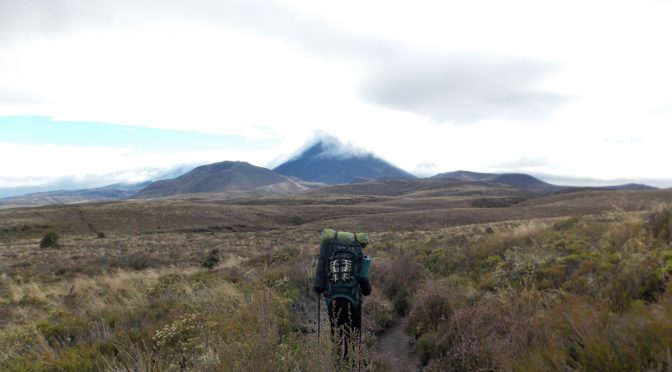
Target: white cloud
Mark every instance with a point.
(265, 68)
(36, 165)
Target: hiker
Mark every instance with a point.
(342, 278)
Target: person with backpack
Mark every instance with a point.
(342, 279)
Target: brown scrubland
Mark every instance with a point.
(478, 278)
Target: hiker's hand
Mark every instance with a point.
(365, 285)
(318, 290)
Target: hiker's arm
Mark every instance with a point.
(364, 285)
(320, 273)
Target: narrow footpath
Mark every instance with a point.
(394, 345)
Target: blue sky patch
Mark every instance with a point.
(39, 130)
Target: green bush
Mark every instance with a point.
(660, 224)
(183, 339)
(50, 240)
(212, 260)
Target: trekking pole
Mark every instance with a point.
(319, 315)
(360, 351)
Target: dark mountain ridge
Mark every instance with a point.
(325, 162)
(329, 162)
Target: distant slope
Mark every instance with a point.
(462, 175)
(424, 188)
(530, 183)
(632, 186)
(519, 180)
(233, 177)
(107, 193)
(373, 188)
(330, 162)
(309, 212)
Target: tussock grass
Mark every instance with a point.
(582, 293)
(570, 293)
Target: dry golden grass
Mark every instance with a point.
(423, 209)
(514, 286)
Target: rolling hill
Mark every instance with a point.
(529, 183)
(519, 180)
(234, 178)
(326, 162)
(108, 193)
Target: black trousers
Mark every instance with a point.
(346, 325)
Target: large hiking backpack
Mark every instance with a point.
(343, 266)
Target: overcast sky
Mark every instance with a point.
(102, 91)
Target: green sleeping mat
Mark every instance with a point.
(344, 236)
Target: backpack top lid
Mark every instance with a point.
(344, 237)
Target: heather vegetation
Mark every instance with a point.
(50, 240)
(242, 313)
(582, 293)
(573, 293)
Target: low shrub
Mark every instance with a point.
(141, 261)
(398, 277)
(377, 313)
(50, 240)
(184, 339)
(212, 260)
(659, 223)
(432, 305)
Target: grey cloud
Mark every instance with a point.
(465, 89)
(269, 18)
(459, 88)
(447, 88)
(56, 16)
(19, 18)
(13, 186)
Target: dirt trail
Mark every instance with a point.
(394, 345)
(80, 214)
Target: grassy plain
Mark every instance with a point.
(479, 278)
